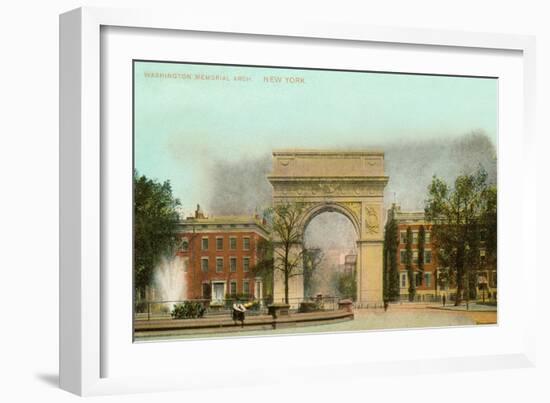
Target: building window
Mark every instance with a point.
(418, 279)
(403, 236)
(246, 264)
(415, 257)
(428, 279)
(233, 243)
(204, 264)
(427, 256)
(219, 264)
(219, 243)
(403, 256)
(246, 243)
(233, 288)
(185, 245)
(233, 264)
(415, 237)
(204, 244)
(246, 287)
(428, 236)
(403, 280)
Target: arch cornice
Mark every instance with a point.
(307, 187)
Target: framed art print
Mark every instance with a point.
(281, 191)
(294, 202)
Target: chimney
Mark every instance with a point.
(198, 212)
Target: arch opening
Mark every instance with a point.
(330, 255)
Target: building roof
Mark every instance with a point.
(224, 223)
(411, 217)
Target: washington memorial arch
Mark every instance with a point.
(349, 182)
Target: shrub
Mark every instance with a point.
(188, 310)
(141, 307)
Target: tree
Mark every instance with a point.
(460, 214)
(409, 265)
(312, 259)
(287, 239)
(155, 220)
(488, 234)
(264, 265)
(421, 247)
(391, 271)
(346, 284)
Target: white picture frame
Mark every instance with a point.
(82, 184)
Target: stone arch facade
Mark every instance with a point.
(349, 182)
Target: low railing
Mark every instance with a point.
(157, 310)
(321, 303)
(450, 297)
(151, 310)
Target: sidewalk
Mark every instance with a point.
(472, 307)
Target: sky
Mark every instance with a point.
(205, 127)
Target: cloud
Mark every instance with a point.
(411, 165)
(241, 187)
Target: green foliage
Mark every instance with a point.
(264, 264)
(312, 260)
(489, 226)
(472, 285)
(409, 265)
(391, 265)
(140, 307)
(421, 248)
(188, 310)
(155, 220)
(346, 285)
(461, 217)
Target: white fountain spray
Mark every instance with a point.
(170, 280)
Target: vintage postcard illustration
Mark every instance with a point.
(271, 200)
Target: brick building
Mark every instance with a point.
(427, 288)
(430, 287)
(220, 253)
